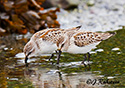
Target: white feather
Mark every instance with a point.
(46, 47)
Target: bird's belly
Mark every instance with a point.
(81, 50)
(47, 48)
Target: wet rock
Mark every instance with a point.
(65, 4)
(90, 2)
(99, 50)
(115, 49)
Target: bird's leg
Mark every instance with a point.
(89, 56)
(58, 53)
(51, 56)
(85, 57)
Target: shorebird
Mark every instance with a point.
(68, 40)
(47, 41)
(83, 42)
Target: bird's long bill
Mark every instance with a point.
(26, 58)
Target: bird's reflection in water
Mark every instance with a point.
(54, 78)
(46, 79)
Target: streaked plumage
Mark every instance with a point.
(83, 42)
(47, 41)
(68, 40)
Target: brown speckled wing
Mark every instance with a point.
(54, 36)
(84, 38)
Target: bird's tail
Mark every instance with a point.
(107, 35)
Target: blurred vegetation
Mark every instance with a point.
(21, 16)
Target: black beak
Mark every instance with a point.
(26, 58)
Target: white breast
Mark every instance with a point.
(46, 47)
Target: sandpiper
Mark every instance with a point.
(83, 42)
(48, 40)
(68, 40)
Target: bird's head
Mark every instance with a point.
(28, 50)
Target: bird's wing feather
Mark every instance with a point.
(85, 38)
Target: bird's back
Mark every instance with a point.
(53, 35)
(83, 42)
(85, 38)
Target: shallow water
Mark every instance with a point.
(107, 62)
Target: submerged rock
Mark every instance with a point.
(65, 4)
